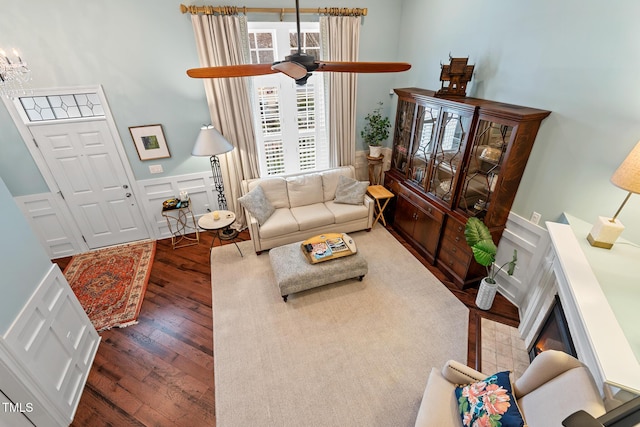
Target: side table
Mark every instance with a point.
(209, 223)
(182, 224)
(375, 177)
(379, 193)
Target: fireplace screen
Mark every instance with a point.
(554, 334)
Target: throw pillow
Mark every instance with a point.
(256, 202)
(489, 403)
(350, 191)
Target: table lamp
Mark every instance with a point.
(606, 231)
(211, 143)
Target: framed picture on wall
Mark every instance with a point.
(150, 142)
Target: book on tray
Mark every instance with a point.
(321, 250)
(337, 244)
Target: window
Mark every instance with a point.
(61, 107)
(289, 119)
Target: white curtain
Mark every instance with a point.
(341, 39)
(219, 40)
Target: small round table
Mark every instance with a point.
(208, 223)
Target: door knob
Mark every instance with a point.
(125, 186)
(128, 194)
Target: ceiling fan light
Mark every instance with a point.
(291, 69)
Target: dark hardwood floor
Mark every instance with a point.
(160, 371)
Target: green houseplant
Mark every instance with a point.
(484, 252)
(376, 130)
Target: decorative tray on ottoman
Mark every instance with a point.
(328, 246)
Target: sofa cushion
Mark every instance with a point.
(489, 402)
(350, 191)
(257, 204)
(312, 216)
(330, 181)
(275, 189)
(304, 190)
(281, 222)
(345, 213)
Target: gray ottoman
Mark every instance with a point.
(295, 274)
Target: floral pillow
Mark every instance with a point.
(489, 403)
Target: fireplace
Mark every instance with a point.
(554, 334)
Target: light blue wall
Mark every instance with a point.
(578, 59)
(23, 260)
(139, 51)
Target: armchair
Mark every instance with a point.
(552, 388)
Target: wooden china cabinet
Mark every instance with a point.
(454, 158)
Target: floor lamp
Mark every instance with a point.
(211, 143)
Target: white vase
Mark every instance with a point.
(486, 294)
(375, 150)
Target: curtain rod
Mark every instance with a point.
(232, 10)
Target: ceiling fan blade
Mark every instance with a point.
(243, 70)
(363, 67)
(291, 69)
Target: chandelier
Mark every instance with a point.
(14, 73)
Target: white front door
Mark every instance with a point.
(85, 164)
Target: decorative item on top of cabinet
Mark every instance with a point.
(457, 74)
(461, 157)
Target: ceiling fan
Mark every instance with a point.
(298, 66)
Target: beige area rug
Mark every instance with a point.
(349, 354)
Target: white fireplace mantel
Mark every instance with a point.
(600, 293)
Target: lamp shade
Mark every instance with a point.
(627, 176)
(210, 142)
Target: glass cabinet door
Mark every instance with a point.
(402, 135)
(423, 143)
(486, 156)
(447, 154)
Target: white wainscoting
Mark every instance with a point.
(60, 237)
(47, 217)
(48, 220)
(530, 240)
(599, 340)
(49, 349)
(154, 191)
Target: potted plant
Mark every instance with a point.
(484, 252)
(376, 130)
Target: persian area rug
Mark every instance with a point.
(348, 354)
(110, 283)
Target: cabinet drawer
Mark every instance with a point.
(454, 257)
(427, 208)
(454, 231)
(391, 184)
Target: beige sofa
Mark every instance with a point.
(552, 388)
(305, 206)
